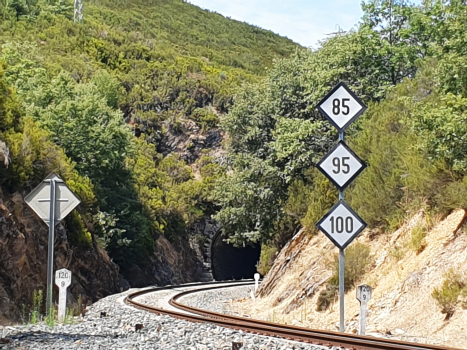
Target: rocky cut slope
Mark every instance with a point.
(23, 262)
(403, 281)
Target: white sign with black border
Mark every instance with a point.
(341, 224)
(341, 165)
(341, 106)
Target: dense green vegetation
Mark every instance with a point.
(73, 96)
(277, 135)
(408, 64)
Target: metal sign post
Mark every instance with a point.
(50, 250)
(341, 224)
(52, 201)
(363, 295)
(62, 280)
(78, 14)
(341, 261)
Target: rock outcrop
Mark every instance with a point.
(171, 263)
(190, 141)
(23, 262)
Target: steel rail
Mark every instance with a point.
(317, 337)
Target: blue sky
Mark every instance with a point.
(303, 21)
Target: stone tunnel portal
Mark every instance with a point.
(230, 263)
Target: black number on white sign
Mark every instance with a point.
(338, 163)
(337, 104)
(338, 224)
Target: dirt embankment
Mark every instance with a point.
(402, 282)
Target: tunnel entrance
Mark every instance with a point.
(230, 263)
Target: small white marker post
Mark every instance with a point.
(363, 295)
(62, 280)
(256, 276)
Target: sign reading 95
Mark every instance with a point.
(341, 165)
(341, 224)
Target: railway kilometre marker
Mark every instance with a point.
(363, 295)
(62, 280)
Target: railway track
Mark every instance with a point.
(317, 337)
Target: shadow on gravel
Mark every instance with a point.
(44, 337)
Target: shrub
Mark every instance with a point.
(37, 300)
(398, 171)
(453, 196)
(397, 253)
(448, 294)
(200, 239)
(266, 259)
(205, 118)
(327, 297)
(417, 239)
(357, 258)
(79, 235)
(322, 196)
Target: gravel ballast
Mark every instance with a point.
(124, 327)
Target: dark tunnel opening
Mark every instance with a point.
(230, 263)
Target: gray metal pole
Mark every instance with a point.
(341, 268)
(341, 290)
(50, 257)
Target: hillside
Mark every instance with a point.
(125, 107)
(168, 68)
(165, 122)
(403, 280)
(407, 64)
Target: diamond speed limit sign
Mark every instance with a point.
(341, 107)
(341, 225)
(341, 165)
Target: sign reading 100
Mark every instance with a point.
(339, 224)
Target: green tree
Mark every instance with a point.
(274, 124)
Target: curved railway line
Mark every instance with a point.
(314, 336)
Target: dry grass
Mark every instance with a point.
(403, 282)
